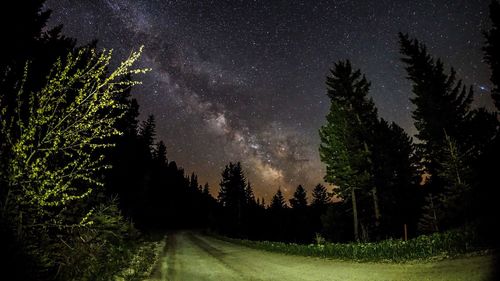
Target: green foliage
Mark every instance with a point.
(55, 147)
(423, 247)
(58, 148)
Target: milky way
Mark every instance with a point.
(244, 80)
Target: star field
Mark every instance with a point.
(244, 80)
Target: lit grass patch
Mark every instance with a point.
(445, 244)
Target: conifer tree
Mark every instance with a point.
(160, 153)
(278, 201)
(345, 138)
(232, 196)
(320, 196)
(491, 51)
(442, 103)
(249, 196)
(396, 175)
(147, 132)
(299, 200)
(206, 190)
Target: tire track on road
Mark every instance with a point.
(217, 254)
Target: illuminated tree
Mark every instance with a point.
(56, 152)
(345, 137)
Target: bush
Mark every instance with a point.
(423, 247)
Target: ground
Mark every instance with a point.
(192, 256)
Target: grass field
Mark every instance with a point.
(191, 256)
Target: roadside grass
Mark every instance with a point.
(145, 257)
(425, 247)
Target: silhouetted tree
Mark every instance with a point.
(232, 196)
(442, 103)
(299, 200)
(278, 201)
(397, 178)
(160, 153)
(442, 112)
(320, 196)
(491, 51)
(147, 132)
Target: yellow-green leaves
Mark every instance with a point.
(57, 148)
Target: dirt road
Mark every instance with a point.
(193, 257)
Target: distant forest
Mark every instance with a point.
(79, 173)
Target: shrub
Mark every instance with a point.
(423, 247)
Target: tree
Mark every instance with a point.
(491, 53)
(193, 182)
(206, 190)
(346, 136)
(232, 196)
(147, 132)
(397, 178)
(56, 150)
(320, 196)
(249, 196)
(457, 195)
(442, 104)
(278, 201)
(299, 200)
(442, 115)
(160, 153)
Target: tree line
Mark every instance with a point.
(81, 177)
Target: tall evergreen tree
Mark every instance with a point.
(206, 190)
(491, 51)
(299, 200)
(232, 196)
(320, 196)
(345, 139)
(278, 201)
(147, 132)
(443, 113)
(397, 178)
(249, 196)
(442, 103)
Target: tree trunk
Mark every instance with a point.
(355, 214)
(375, 206)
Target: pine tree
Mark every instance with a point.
(320, 196)
(206, 190)
(346, 138)
(193, 182)
(160, 153)
(232, 196)
(491, 51)
(442, 103)
(147, 132)
(397, 178)
(457, 195)
(249, 196)
(442, 111)
(299, 200)
(429, 221)
(278, 201)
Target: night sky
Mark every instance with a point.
(244, 80)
